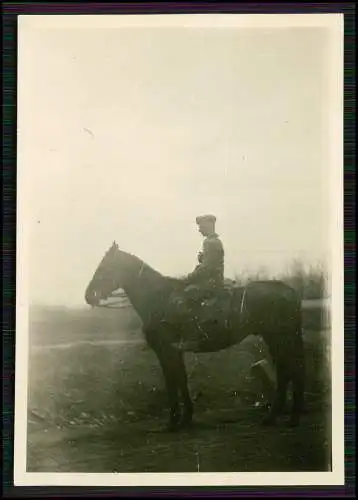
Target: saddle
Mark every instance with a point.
(207, 310)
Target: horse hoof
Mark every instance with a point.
(294, 422)
(268, 421)
(172, 427)
(186, 423)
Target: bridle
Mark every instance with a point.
(119, 303)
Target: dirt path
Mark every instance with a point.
(219, 441)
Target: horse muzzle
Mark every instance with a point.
(92, 298)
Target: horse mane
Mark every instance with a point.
(143, 266)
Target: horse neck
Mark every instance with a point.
(143, 286)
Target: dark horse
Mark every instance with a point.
(270, 309)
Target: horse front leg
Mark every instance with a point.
(182, 379)
(172, 389)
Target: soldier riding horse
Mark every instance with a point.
(204, 286)
(209, 318)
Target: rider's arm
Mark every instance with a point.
(210, 255)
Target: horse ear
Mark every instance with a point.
(115, 244)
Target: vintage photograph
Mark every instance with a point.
(180, 250)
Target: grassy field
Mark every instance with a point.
(96, 403)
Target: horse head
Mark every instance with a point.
(108, 277)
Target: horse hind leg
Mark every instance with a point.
(280, 395)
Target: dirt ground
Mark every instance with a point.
(220, 441)
(97, 404)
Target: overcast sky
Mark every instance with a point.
(128, 134)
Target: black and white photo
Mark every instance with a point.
(180, 250)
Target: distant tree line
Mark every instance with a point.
(311, 282)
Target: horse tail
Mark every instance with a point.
(298, 366)
(299, 330)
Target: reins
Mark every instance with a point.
(119, 303)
